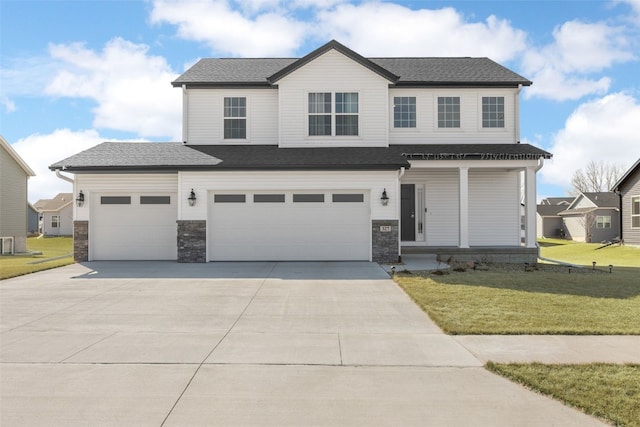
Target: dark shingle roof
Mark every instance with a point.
(135, 156)
(409, 71)
(604, 199)
(118, 156)
(549, 210)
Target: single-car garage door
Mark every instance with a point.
(133, 227)
(290, 226)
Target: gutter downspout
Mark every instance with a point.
(65, 178)
(517, 106)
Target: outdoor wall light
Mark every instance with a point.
(80, 199)
(384, 199)
(192, 198)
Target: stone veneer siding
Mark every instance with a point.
(192, 241)
(81, 241)
(385, 244)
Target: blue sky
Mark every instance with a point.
(76, 73)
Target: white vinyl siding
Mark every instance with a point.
(205, 114)
(470, 130)
(333, 72)
(441, 219)
(494, 209)
(271, 182)
(123, 184)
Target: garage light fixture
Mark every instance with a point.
(192, 198)
(80, 199)
(384, 199)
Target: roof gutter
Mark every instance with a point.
(64, 178)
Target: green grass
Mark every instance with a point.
(550, 300)
(56, 252)
(538, 302)
(585, 253)
(611, 392)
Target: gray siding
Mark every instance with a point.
(13, 200)
(629, 190)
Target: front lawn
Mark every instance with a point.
(585, 253)
(550, 300)
(611, 392)
(56, 252)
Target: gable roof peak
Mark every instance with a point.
(339, 47)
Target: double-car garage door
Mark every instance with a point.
(242, 226)
(289, 225)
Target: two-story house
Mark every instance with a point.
(332, 156)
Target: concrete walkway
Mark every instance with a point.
(150, 343)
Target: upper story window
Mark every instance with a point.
(404, 111)
(235, 118)
(324, 120)
(493, 111)
(320, 113)
(635, 212)
(448, 111)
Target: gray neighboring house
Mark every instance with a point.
(57, 216)
(33, 221)
(592, 217)
(14, 176)
(628, 189)
(548, 222)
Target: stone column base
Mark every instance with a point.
(81, 241)
(192, 241)
(385, 235)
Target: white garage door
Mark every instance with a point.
(290, 226)
(133, 227)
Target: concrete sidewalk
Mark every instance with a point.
(562, 349)
(147, 343)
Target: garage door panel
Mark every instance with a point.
(289, 231)
(134, 231)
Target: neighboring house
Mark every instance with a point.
(331, 156)
(560, 201)
(548, 222)
(14, 176)
(628, 189)
(33, 220)
(57, 216)
(592, 217)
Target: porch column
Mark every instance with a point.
(464, 207)
(530, 206)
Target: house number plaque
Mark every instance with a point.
(385, 228)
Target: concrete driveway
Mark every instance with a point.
(160, 343)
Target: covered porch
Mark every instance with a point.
(479, 209)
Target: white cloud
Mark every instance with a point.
(228, 31)
(389, 29)
(40, 151)
(9, 105)
(563, 69)
(605, 129)
(132, 89)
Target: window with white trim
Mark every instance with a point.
(404, 111)
(603, 221)
(448, 111)
(635, 212)
(235, 118)
(493, 111)
(55, 221)
(325, 120)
